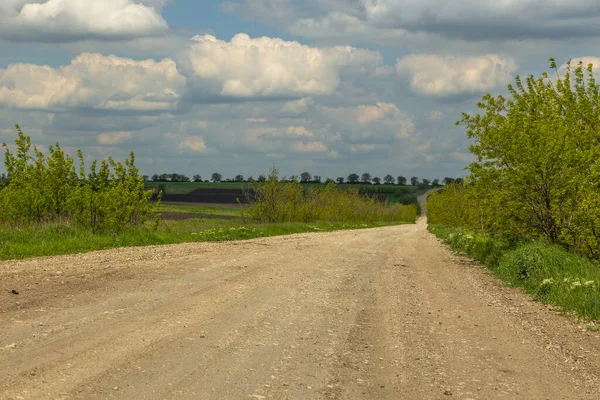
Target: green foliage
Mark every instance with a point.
(549, 272)
(50, 189)
(278, 201)
(538, 164)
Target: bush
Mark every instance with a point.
(277, 201)
(48, 188)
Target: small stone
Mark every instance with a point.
(448, 392)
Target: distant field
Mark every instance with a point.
(187, 187)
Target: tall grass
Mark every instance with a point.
(549, 272)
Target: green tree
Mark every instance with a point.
(353, 178)
(414, 181)
(388, 179)
(537, 172)
(216, 177)
(401, 180)
(339, 179)
(365, 178)
(305, 177)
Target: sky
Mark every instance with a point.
(331, 87)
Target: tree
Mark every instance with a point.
(329, 180)
(339, 179)
(425, 182)
(414, 181)
(251, 179)
(401, 180)
(435, 182)
(239, 178)
(352, 178)
(447, 180)
(261, 178)
(305, 177)
(317, 179)
(216, 177)
(366, 178)
(388, 179)
(538, 158)
(155, 178)
(197, 178)
(377, 180)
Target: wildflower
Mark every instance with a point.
(575, 285)
(589, 283)
(547, 282)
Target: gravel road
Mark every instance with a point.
(386, 313)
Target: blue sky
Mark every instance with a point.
(332, 87)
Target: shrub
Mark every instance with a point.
(277, 201)
(48, 188)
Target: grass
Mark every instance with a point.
(549, 272)
(197, 209)
(57, 239)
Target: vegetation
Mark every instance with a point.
(280, 201)
(538, 164)
(50, 188)
(530, 207)
(62, 238)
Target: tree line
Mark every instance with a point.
(306, 177)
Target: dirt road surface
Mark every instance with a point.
(386, 313)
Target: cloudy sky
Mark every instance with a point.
(326, 86)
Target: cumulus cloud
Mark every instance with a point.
(312, 147)
(438, 76)
(297, 107)
(194, 143)
(370, 124)
(93, 81)
(246, 68)
(75, 20)
(114, 137)
(470, 20)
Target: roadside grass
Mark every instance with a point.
(58, 239)
(550, 273)
(200, 209)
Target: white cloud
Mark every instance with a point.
(114, 137)
(93, 81)
(194, 143)
(297, 107)
(433, 75)
(74, 20)
(367, 113)
(365, 123)
(271, 67)
(310, 147)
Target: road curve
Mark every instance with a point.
(386, 313)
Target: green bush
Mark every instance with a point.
(49, 189)
(277, 201)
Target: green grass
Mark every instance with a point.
(197, 209)
(57, 239)
(550, 273)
